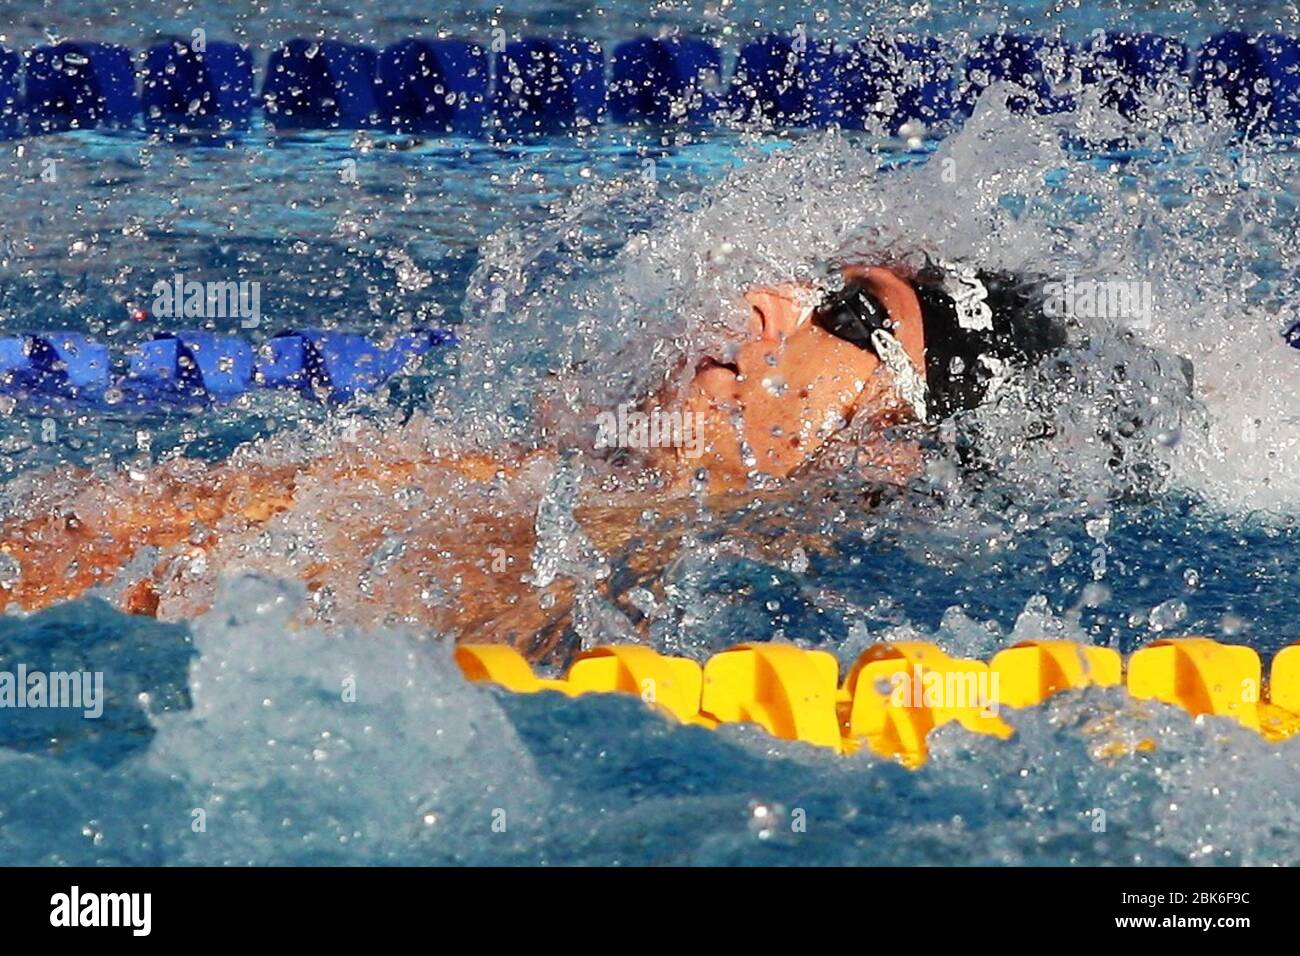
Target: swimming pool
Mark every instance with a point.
(1116, 507)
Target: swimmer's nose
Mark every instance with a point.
(774, 313)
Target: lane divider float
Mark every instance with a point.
(896, 693)
(196, 365)
(544, 85)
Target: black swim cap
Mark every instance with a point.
(972, 316)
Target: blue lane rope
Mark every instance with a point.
(189, 366)
(558, 84)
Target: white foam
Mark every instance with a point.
(343, 747)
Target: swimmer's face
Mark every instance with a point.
(791, 386)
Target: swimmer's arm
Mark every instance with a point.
(65, 546)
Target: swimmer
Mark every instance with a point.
(383, 531)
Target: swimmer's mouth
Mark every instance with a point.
(709, 362)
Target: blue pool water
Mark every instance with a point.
(233, 716)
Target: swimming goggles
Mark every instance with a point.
(858, 317)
